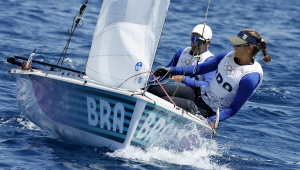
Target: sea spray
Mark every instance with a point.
(181, 146)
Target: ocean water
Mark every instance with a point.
(264, 134)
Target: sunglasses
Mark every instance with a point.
(247, 45)
(195, 38)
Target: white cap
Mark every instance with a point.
(207, 34)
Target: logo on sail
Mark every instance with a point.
(138, 66)
(140, 80)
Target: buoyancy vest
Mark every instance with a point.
(221, 90)
(186, 57)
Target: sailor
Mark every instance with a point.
(200, 41)
(238, 76)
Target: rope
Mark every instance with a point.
(157, 82)
(185, 71)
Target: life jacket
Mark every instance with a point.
(221, 90)
(186, 57)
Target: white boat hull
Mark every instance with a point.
(78, 110)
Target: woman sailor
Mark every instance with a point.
(238, 76)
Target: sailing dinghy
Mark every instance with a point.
(107, 106)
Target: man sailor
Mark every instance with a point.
(201, 37)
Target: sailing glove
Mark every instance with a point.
(162, 71)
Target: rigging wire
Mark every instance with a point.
(84, 67)
(72, 30)
(47, 25)
(195, 68)
(231, 22)
(197, 49)
(33, 53)
(172, 42)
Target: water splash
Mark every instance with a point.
(183, 146)
(27, 124)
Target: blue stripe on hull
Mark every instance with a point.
(66, 103)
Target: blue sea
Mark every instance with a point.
(264, 134)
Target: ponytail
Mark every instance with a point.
(264, 50)
(257, 48)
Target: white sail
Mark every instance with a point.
(125, 41)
